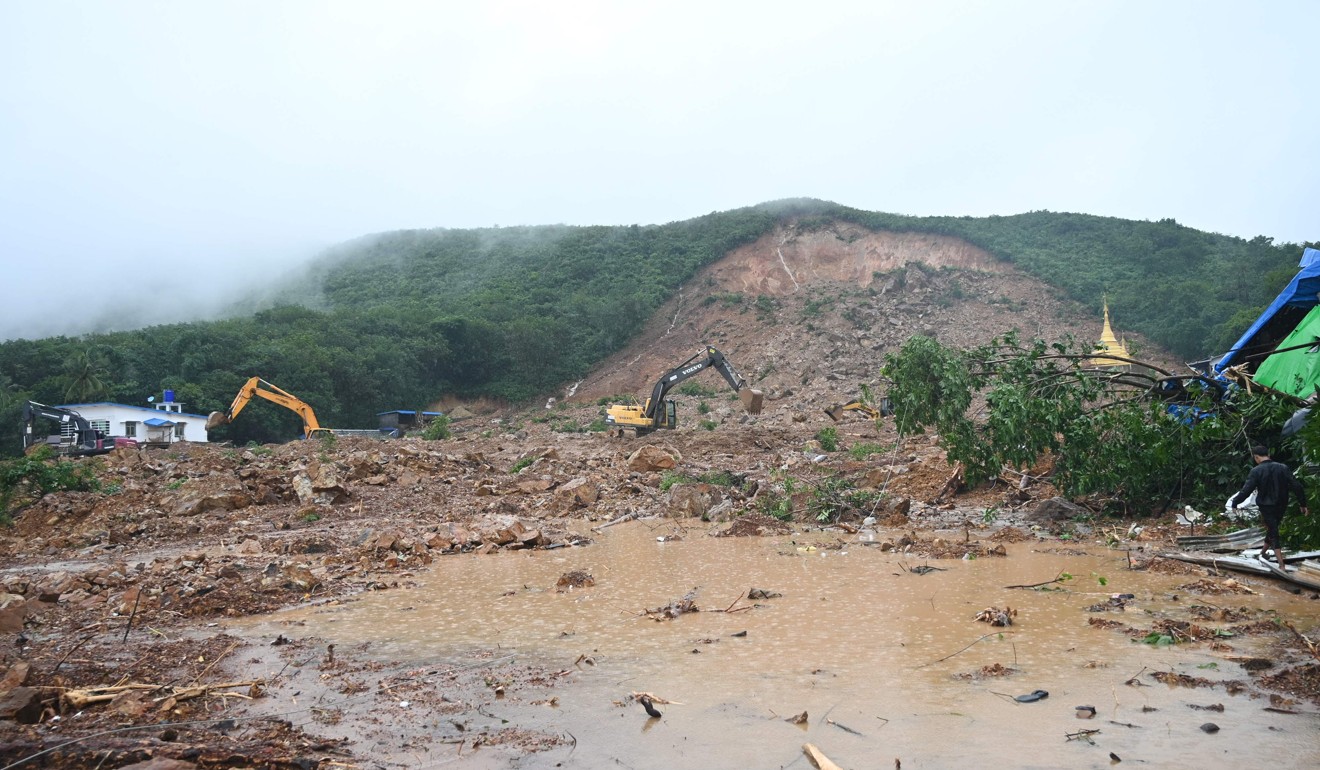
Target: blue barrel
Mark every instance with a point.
(169, 397)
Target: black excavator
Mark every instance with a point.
(660, 412)
(77, 437)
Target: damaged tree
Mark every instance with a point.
(1114, 439)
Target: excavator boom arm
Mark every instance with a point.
(698, 363)
(272, 393)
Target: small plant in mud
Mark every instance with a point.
(1158, 639)
(1100, 579)
(670, 478)
(828, 438)
(720, 478)
(703, 408)
(715, 478)
(523, 463)
(778, 503)
(864, 450)
(311, 516)
(175, 484)
(835, 497)
(991, 515)
(708, 424)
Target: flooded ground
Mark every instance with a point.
(885, 662)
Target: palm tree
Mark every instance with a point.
(84, 376)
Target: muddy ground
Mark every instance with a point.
(111, 600)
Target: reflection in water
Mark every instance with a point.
(877, 656)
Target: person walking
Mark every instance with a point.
(1272, 481)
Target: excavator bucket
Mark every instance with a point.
(751, 399)
(835, 412)
(216, 419)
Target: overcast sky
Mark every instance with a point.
(223, 141)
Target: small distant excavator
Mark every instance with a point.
(77, 437)
(253, 387)
(660, 412)
(836, 412)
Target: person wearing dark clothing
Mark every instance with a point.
(1272, 482)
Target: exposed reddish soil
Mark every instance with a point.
(119, 588)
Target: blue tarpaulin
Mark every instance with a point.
(1280, 318)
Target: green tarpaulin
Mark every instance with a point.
(1295, 371)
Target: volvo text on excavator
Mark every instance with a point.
(77, 437)
(659, 412)
(254, 387)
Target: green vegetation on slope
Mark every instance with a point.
(400, 319)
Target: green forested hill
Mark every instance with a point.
(397, 320)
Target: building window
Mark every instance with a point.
(130, 428)
(101, 426)
(178, 429)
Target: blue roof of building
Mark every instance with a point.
(156, 422)
(130, 406)
(408, 411)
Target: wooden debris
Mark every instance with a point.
(654, 698)
(818, 758)
(620, 520)
(76, 699)
(997, 617)
(675, 608)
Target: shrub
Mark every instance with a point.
(438, 430)
(828, 438)
(862, 451)
(25, 479)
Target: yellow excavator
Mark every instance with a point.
(253, 387)
(836, 412)
(659, 412)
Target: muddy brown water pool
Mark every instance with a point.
(877, 656)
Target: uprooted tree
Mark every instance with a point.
(1134, 440)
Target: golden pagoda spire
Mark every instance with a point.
(1109, 345)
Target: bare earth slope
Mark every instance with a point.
(815, 311)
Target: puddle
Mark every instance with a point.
(855, 641)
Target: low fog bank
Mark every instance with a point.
(115, 295)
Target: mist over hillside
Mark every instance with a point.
(125, 293)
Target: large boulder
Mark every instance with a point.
(1056, 510)
(578, 493)
(695, 500)
(652, 458)
(222, 500)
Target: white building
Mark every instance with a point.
(162, 423)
